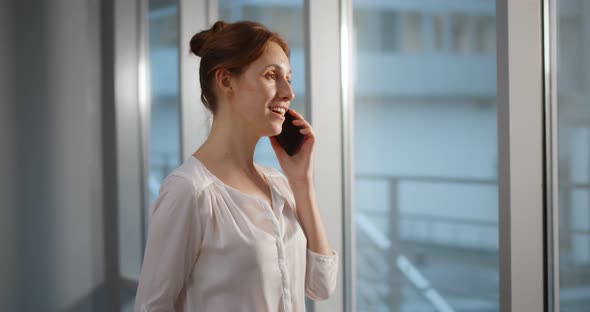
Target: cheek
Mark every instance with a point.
(254, 95)
(265, 88)
(260, 93)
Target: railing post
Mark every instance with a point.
(393, 233)
(567, 191)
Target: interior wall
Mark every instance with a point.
(57, 155)
(73, 58)
(7, 161)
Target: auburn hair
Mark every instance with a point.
(229, 46)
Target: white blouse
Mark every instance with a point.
(213, 248)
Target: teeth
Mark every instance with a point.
(279, 110)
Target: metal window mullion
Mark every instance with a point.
(326, 112)
(551, 152)
(307, 51)
(348, 71)
(310, 304)
(348, 172)
(195, 120)
(212, 11)
(144, 109)
(112, 296)
(520, 155)
(127, 116)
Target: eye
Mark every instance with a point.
(272, 76)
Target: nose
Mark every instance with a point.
(285, 91)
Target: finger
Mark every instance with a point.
(295, 114)
(306, 131)
(301, 122)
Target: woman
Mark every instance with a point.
(227, 234)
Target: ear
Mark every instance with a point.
(223, 80)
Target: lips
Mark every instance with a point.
(279, 110)
(279, 115)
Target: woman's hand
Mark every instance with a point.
(299, 167)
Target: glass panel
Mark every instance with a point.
(164, 122)
(573, 91)
(285, 18)
(164, 133)
(426, 195)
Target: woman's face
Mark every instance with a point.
(263, 85)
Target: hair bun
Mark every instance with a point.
(199, 41)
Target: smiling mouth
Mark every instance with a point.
(279, 111)
(278, 115)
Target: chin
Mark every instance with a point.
(275, 130)
(274, 126)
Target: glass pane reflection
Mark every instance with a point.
(426, 196)
(573, 88)
(164, 138)
(164, 129)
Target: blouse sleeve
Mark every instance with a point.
(320, 275)
(173, 242)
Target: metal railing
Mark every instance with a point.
(385, 244)
(388, 262)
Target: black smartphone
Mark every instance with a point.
(290, 138)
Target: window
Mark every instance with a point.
(164, 133)
(425, 149)
(366, 22)
(411, 28)
(473, 33)
(486, 35)
(390, 30)
(573, 87)
(439, 25)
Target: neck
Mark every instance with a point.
(230, 144)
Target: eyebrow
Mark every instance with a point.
(279, 67)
